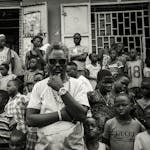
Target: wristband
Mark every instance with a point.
(59, 115)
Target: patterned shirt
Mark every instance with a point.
(16, 108)
(101, 108)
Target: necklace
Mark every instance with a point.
(103, 98)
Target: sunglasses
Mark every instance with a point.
(55, 61)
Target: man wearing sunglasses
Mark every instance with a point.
(58, 106)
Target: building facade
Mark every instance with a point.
(100, 22)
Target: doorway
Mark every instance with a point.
(9, 25)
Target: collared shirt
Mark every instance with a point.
(16, 108)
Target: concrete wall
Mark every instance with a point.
(54, 21)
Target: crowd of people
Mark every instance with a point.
(64, 98)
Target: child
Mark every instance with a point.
(120, 131)
(93, 68)
(114, 65)
(5, 77)
(91, 131)
(142, 103)
(17, 140)
(36, 53)
(15, 107)
(33, 69)
(146, 70)
(134, 70)
(72, 69)
(142, 140)
(121, 85)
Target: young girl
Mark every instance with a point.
(92, 135)
(120, 131)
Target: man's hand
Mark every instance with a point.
(65, 115)
(55, 82)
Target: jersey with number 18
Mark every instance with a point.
(135, 73)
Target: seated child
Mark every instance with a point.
(17, 140)
(120, 131)
(142, 140)
(91, 131)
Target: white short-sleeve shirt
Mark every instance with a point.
(44, 98)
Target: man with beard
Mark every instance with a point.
(58, 106)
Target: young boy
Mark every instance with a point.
(114, 65)
(120, 131)
(93, 68)
(142, 140)
(17, 140)
(134, 70)
(91, 131)
(5, 77)
(15, 107)
(121, 85)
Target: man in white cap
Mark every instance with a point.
(9, 56)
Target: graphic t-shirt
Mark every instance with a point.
(135, 73)
(122, 133)
(115, 66)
